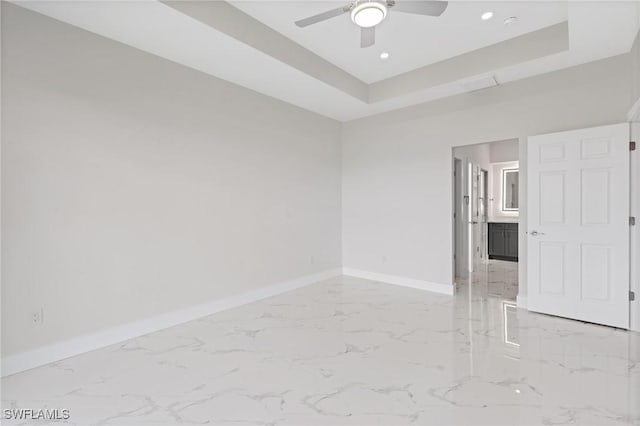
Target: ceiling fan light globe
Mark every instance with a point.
(368, 14)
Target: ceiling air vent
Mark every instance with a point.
(479, 84)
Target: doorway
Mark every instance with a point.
(486, 219)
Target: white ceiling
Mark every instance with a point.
(413, 41)
(597, 29)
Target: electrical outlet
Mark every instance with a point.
(384, 259)
(37, 316)
(312, 260)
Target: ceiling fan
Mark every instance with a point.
(368, 13)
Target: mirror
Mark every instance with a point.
(510, 190)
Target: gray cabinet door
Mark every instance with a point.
(503, 241)
(496, 240)
(511, 242)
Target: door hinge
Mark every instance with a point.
(632, 296)
(632, 146)
(632, 220)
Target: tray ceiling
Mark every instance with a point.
(412, 41)
(323, 69)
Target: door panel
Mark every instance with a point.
(595, 187)
(595, 272)
(551, 197)
(595, 148)
(552, 261)
(549, 153)
(579, 209)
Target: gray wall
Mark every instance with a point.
(397, 167)
(132, 186)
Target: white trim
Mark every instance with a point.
(46, 354)
(634, 112)
(634, 246)
(521, 302)
(403, 281)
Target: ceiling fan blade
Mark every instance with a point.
(367, 37)
(421, 7)
(322, 16)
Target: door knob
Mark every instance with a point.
(535, 233)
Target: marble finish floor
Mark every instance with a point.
(352, 351)
(494, 278)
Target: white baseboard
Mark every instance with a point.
(403, 281)
(55, 352)
(521, 301)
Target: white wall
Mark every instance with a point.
(504, 151)
(132, 186)
(397, 166)
(479, 154)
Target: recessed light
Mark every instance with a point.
(486, 16)
(510, 20)
(384, 55)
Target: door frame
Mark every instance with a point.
(457, 176)
(466, 182)
(484, 219)
(634, 237)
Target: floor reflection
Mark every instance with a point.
(495, 278)
(353, 351)
(565, 371)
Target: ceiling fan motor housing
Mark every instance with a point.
(368, 13)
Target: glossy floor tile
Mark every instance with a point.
(493, 278)
(351, 351)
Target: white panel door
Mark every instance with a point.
(578, 224)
